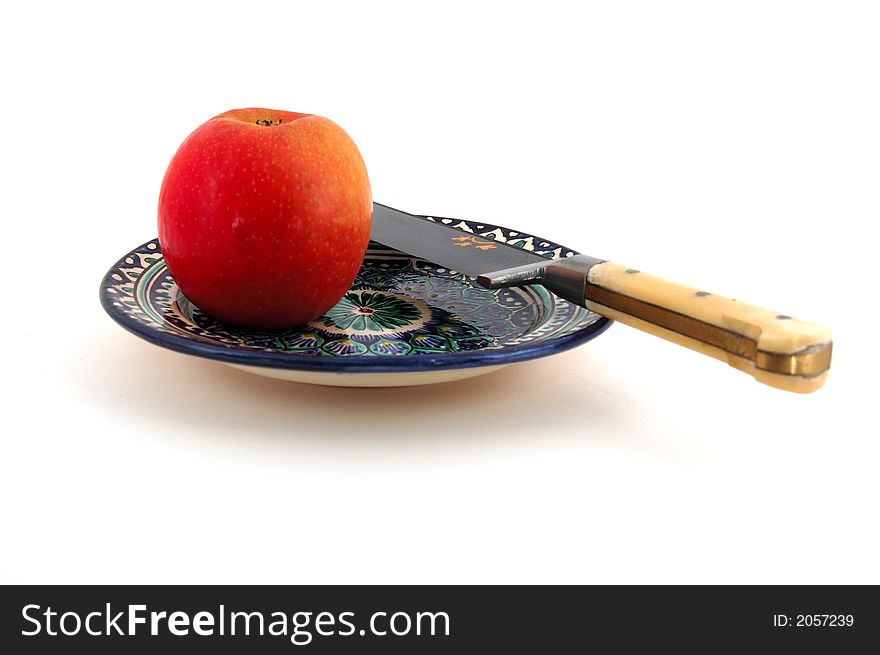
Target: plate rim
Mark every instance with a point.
(352, 364)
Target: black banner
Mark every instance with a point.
(445, 619)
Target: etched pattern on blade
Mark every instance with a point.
(448, 242)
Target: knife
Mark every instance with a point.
(775, 348)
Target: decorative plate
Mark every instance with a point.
(405, 321)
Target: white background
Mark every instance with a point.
(732, 146)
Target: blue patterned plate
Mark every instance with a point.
(404, 321)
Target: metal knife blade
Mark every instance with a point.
(450, 247)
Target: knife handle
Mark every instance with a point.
(776, 349)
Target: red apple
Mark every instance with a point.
(264, 216)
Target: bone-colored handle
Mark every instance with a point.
(776, 349)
